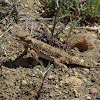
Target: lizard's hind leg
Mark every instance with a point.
(58, 63)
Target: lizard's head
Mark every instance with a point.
(23, 36)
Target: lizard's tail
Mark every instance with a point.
(77, 61)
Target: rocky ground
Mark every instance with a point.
(19, 80)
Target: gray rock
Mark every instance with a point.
(89, 83)
(85, 73)
(51, 95)
(18, 87)
(65, 97)
(87, 70)
(93, 79)
(99, 89)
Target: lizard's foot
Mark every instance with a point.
(57, 63)
(34, 63)
(60, 64)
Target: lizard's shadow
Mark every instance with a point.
(20, 61)
(26, 62)
(74, 66)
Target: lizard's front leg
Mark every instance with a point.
(35, 57)
(25, 49)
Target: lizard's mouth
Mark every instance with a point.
(28, 39)
(16, 37)
(19, 38)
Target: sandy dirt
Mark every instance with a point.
(20, 80)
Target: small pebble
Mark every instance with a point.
(93, 90)
(82, 60)
(13, 70)
(38, 66)
(85, 73)
(79, 76)
(65, 97)
(85, 80)
(57, 86)
(88, 98)
(51, 77)
(98, 96)
(50, 26)
(75, 99)
(33, 75)
(92, 69)
(93, 79)
(51, 95)
(32, 92)
(87, 70)
(77, 95)
(26, 6)
(17, 87)
(99, 89)
(24, 82)
(73, 82)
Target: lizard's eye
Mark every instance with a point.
(26, 36)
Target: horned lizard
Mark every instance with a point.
(40, 49)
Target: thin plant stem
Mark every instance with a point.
(55, 20)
